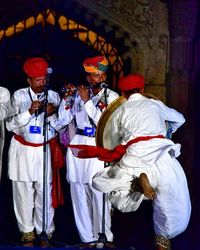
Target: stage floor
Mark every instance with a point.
(7, 247)
(62, 246)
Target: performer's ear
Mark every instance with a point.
(88, 78)
(29, 81)
(104, 76)
(142, 91)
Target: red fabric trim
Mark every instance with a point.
(103, 154)
(57, 160)
(26, 143)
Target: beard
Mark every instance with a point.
(38, 89)
(96, 85)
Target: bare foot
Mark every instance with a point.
(148, 191)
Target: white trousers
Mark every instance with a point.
(87, 206)
(28, 207)
(171, 208)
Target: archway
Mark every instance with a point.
(64, 42)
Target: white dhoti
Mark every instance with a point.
(172, 207)
(26, 172)
(86, 201)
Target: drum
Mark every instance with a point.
(103, 127)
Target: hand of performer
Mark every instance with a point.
(83, 91)
(35, 105)
(51, 109)
(68, 90)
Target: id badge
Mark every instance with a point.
(89, 131)
(35, 129)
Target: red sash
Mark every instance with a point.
(104, 154)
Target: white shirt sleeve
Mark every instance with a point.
(16, 119)
(93, 111)
(4, 102)
(65, 116)
(175, 118)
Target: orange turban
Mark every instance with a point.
(132, 81)
(35, 67)
(96, 65)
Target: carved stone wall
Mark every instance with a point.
(144, 25)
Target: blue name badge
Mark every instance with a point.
(35, 130)
(89, 131)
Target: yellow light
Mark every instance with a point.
(63, 22)
(81, 32)
(50, 17)
(9, 31)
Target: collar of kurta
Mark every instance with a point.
(34, 95)
(136, 96)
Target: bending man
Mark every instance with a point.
(147, 168)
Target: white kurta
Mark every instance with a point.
(140, 116)
(87, 202)
(25, 163)
(4, 108)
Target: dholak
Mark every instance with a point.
(103, 127)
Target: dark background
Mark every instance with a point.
(65, 55)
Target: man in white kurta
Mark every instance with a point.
(145, 119)
(87, 109)
(26, 152)
(4, 109)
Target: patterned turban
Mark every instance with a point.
(35, 67)
(96, 65)
(132, 81)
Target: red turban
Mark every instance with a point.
(132, 81)
(96, 65)
(35, 67)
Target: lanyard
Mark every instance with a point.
(39, 96)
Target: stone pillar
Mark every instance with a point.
(182, 21)
(181, 76)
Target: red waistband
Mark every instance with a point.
(26, 143)
(104, 154)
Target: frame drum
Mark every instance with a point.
(103, 126)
